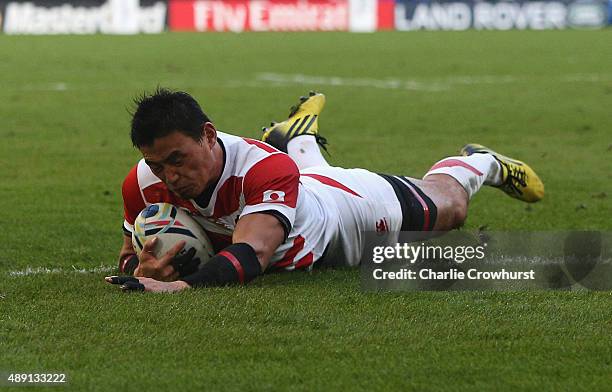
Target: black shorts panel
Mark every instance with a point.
(418, 211)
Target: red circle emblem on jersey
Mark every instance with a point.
(274, 196)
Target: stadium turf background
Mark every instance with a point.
(397, 102)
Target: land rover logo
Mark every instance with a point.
(586, 14)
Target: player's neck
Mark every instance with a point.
(219, 153)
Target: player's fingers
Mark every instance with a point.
(120, 279)
(149, 245)
(167, 258)
(133, 286)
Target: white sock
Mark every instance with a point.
(305, 152)
(471, 172)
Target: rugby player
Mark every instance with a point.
(276, 204)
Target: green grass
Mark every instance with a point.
(543, 96)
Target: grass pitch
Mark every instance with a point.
(397, 102)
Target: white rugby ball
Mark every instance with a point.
(170, 225)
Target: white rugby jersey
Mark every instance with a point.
(255, 178)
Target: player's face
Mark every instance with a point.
(186, 166)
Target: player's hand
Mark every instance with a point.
(130, 283)
(159, 269)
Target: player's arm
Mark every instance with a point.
(255, 239)
(263, 232)
(271, 192)
(270, 189)
(128, 261)
(133, 203)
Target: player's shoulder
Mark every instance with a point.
(271, 167)
(243, 155)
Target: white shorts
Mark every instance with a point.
(357, 201)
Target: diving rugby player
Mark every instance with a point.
(276, 204)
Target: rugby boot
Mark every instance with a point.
(303, 120)
(518, 179)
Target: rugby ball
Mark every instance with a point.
(170, 224)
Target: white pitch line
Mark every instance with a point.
(592, 78)
(47, 271)
(433, 85)
(389, 83)
(51, 86)
(274, 79)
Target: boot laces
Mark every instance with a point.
(517, 179)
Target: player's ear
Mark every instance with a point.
(210, 134)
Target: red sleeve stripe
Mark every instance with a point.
(331, 182)
(305, 261)
(235, 263)
(276, 172)
(298, 245)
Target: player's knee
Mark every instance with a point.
(452, 212)
(459, 206)
(460, 210)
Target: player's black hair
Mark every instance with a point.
(163, 112)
